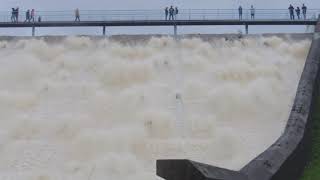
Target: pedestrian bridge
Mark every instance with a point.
(186, 17)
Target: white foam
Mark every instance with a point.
(88, 109)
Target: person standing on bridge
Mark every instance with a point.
(176, 12)
(13, 15)
(298, 12)
(291, 12)
(77, 14)
(252, 12)
(27, 16)
(16, 14)
(32, 15)
(171, 12)
(240, 12)
(304, 11)
(166, 11)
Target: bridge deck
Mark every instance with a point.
(156, 23)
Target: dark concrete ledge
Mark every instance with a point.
(286, 158)
(190, 170)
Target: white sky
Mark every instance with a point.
(6, 5)
(149, 4)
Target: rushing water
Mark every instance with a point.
(97, 109)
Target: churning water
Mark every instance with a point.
(96, 109)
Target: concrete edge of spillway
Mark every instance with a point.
(286, 158)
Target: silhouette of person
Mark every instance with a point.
(32, 15)
(17, 14)
(166, 11)
(171, 12)
(13, 15)
(291, 12)
(252, 12)
(27, 16)
(298, 12)
(304, 11)
(77, 14)
(176, 12)
(240, 12)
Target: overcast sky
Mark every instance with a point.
(6, 5)
(148, 4)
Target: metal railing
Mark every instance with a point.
(184, 14)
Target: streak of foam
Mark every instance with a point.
(96, 109)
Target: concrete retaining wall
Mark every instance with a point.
(286, 158)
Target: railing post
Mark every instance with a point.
(104, 30)
(33, 31)
(247, 29)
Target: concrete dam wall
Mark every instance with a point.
(286, 158)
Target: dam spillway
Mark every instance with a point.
(84, 108)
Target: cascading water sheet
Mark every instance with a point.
(98, 109)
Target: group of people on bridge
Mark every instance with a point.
(252, 12)
(30, 15)
(291, 12)
(298, 11)
(171, 12)
(15, 14)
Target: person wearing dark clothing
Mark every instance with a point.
(13, 15)
(304, 11)
(240, 12)
(252, 12)
(298, 12)
(171, 12)
(27, 16)
(17, 14)
(39, 19)
(176, 12)
(291, 12)
(166, 11)
(77, 14)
